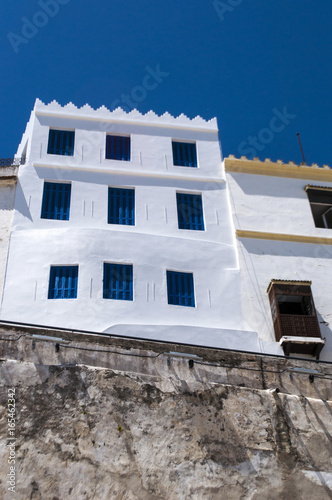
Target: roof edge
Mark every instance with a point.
(278, 168)
(119, 114)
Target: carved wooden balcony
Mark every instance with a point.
(294, 317)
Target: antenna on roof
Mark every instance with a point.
(303, 162)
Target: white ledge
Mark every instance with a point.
(301, 340)
(132, 172)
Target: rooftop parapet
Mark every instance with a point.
(11, 162)
(9, 167)
(278, 168)
(134, 116)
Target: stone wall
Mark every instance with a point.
(105, 418)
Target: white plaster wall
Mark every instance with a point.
(153, 245)
(273, 204)
(151, 144)
(279, 205)
(149, 153)
(155, 199)
(7, 195)
(25, 299)
(263, 260)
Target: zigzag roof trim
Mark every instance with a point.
(119, 114)
(278, 162)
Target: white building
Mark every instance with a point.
(123, 224)
(283, 220)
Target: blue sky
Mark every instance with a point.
(263, 68)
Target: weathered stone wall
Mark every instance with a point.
(137, 422)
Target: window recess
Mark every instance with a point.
(61, 142)
(117, 148)
(118, 281)
(184, 154)
(320, 200)
(190, 211)
(294, 317)
(121, 206)
(180, 289)
(56, 201)
(63, 282)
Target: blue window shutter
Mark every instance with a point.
(61, 142)
(180, 289)
(56, 201)
(118, 281)
(63, 282)
(184, 154)
(192, 161)
(117, 148)
(190, 211)
(176, 155)
(121, 206)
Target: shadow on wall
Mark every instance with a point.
(291, 250)
(124, 127)
(326, 333)
(273, 186)
(21, 204)
(103, 178)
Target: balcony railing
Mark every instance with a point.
(11, 162)
(299, 334)
(299, 326)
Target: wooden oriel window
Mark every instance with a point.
(294, 317)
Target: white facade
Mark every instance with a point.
(278, 239)
(258, 226)
(152, 246)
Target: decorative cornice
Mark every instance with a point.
(318, 188)
(296, 238)
(104, 114)
(278, 169)
(287, 282)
